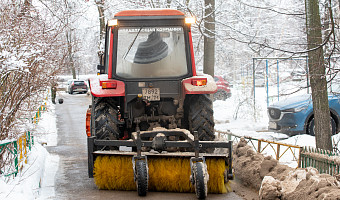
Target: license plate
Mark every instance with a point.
(151, 94)
(272, 125)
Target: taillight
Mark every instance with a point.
(109, 85)
(199, 81)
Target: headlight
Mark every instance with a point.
(294, 110)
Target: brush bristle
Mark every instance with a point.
(165, 174)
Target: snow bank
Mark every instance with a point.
(36, 179)
(251, 167)
(276, 181)
(301, 184)
(27, 183)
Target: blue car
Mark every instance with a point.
(295, 115)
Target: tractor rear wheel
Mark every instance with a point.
(106, 119)
(201, 117)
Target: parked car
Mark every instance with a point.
(77, 86)
(223, 89)
(295, 115)
(68, 86)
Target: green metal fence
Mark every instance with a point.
(324, 161)
(13, 154)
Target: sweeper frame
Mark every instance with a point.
(159, 144)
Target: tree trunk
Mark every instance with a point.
(70, 53)
(100, 6)
(318, 81)
(209, 39)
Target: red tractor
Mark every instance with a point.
(149, 108)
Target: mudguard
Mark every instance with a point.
(209, 88)
(98, 91)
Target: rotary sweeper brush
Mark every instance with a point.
(150, 125)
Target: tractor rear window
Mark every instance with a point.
(151, 52)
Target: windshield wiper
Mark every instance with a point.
(132, 42)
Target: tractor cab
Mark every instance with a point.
(140, 47)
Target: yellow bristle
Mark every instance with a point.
(170, 174)
(165, 174)
(114, 173)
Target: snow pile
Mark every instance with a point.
(301, 184)
(276, 181)
(251, 167)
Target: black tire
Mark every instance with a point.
(201, 117)
(311, 126)
(142, 178)
(220, 95)
(71, 92)
(201, 188)
(106, 119)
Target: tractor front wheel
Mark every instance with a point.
(200, 182)
(142, 178)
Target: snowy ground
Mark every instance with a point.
(236, 114)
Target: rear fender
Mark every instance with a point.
(98, 91)
(209, 88)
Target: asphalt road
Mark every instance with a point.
(71, 181)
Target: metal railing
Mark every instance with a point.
(324, 161)
(13, 154)
(276, 149)
(36, 117)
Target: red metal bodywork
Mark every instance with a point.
(162, 12)
(88, 122)
(188, 88)
(98, 91)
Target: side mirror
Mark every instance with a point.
(101, 69)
